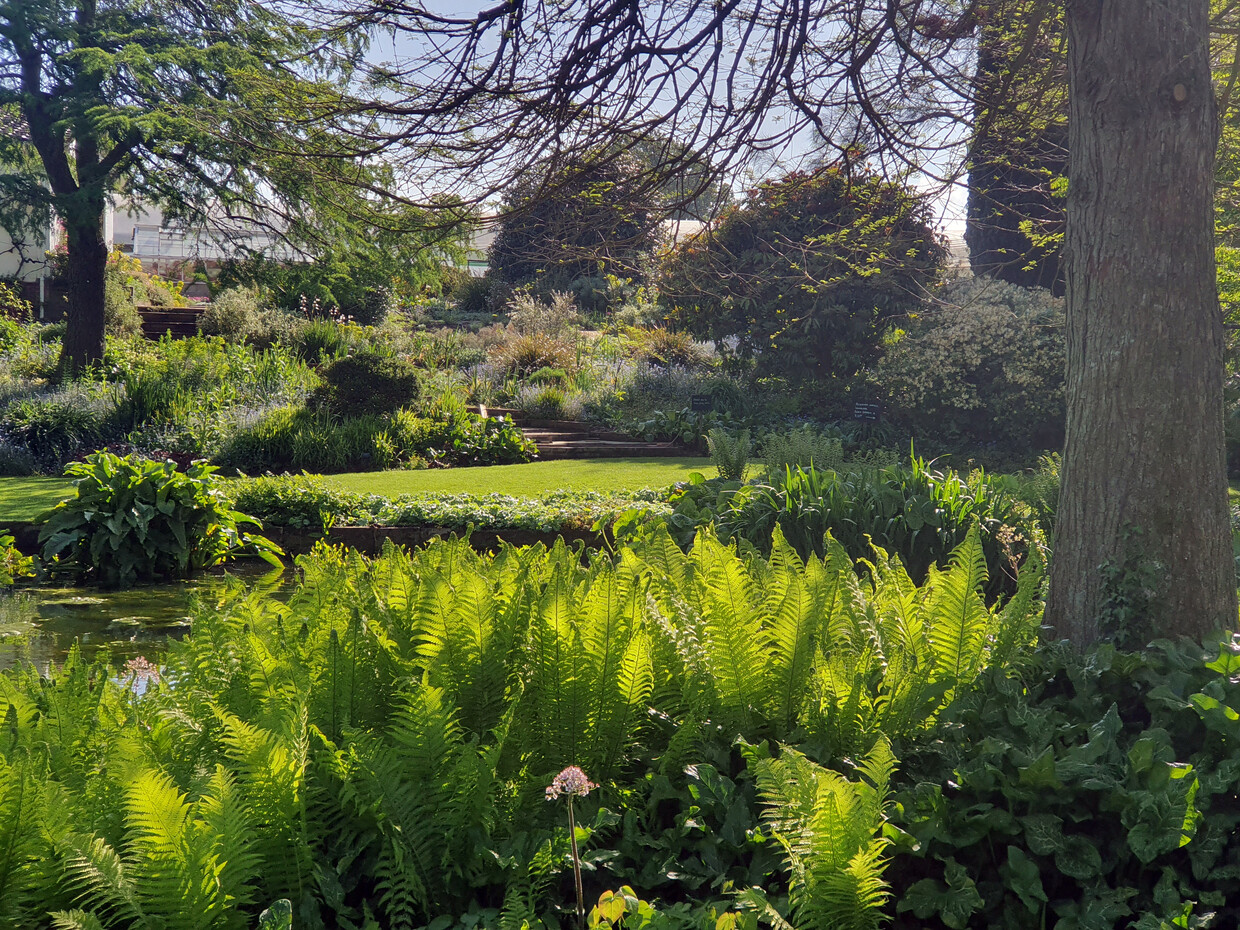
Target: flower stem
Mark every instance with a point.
(572, 838)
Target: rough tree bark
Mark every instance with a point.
(87, 262)
(1144, 480)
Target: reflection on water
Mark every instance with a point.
(40, 624)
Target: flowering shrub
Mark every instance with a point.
(984, 363)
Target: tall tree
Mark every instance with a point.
(210, 108)
(1144, 479)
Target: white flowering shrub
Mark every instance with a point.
(983, 362)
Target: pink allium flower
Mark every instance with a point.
(141, 668)
(571, 781)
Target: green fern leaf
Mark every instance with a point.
(958, 616)
(733, 640)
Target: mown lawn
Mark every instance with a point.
(529, 480)
(22, 499)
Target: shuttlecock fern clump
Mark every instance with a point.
(730, 452)
(570, 783)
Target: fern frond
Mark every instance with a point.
(842, 600)
(958, 616)
(556, 702)
(24, 850)
(792, 606)
(734, 641)
(100, 879)
(271, 766)
(1016, 626)
(75, 920)
(227, 837)
(829, 828)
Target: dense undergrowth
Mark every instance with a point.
(376, 751)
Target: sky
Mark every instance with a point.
(950, 202)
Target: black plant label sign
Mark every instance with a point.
(867, 410)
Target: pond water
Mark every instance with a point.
(39, 624)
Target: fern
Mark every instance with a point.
(958, 616)
(793, 603)
(26, 819)
(557, 699)
(272, 767)
(830, 828)
(733, 641)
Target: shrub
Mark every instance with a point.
(12, 308)
(530, 352)
(557, 317)
(291, 439)
(57, 427)
(120, 315)
(545, 376)
(547, 402)
(804, 278)
(273, 326)
(316, 340)
(472, 296)
(569, 227)
(914, 512)
(16, 461)
(301, 501)
(367, 383)
(730, 452)
(984, 363)
(11, 332)
(665, 348)
(133, 519)
(650, 389)
(233, 314)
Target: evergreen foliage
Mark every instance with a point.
(805, 277)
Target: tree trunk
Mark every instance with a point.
(1143, 520)
(87, 264)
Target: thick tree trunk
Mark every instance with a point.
(1143, 513)
(87, 265)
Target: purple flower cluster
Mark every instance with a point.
(571, 781)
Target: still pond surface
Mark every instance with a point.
(39, 624)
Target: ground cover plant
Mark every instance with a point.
(309, 502)
(378, 749)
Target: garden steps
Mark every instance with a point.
(572, 439)
(179, 322)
